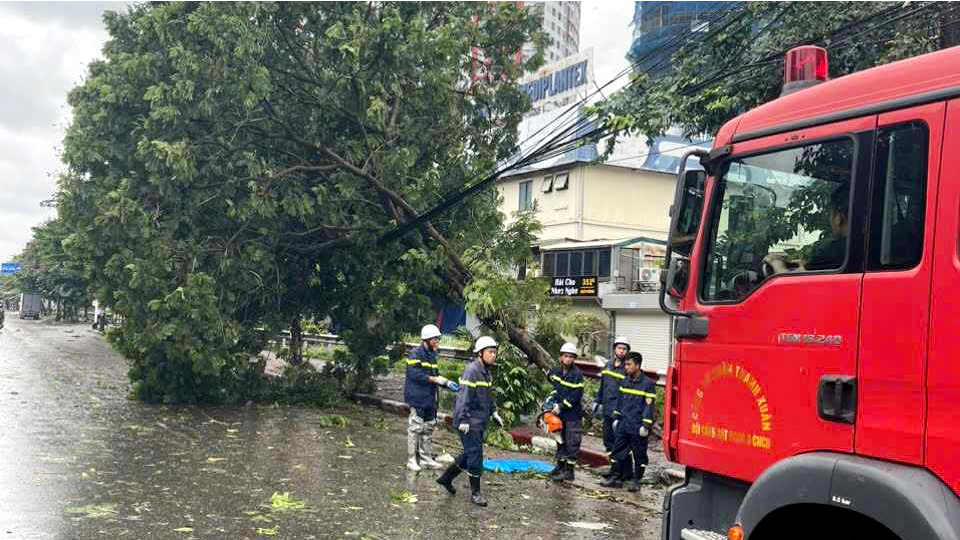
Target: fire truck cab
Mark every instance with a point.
(812, 274)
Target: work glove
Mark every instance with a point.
(442, 381)
(555, 410)
(643, 431)
(496, 416)
(597, 408)
(464, 427)
(454, 387)
(615, 424)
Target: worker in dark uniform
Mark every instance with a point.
(471, 413)
(635, 414)
(420, 393)
(567, 391)
(606, 401)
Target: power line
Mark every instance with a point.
(554, 144)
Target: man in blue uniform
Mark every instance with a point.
(567, 391)
(420, 393)
(635, 414)
(471, 413)
(606, 401)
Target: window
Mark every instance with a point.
(526, 195)
(603, 265)
(899, 197)
(576, 263)
(563, 260)
(783, 211)
(560, 181)
(549, 264)
(547, 185)
(573, 263)
(590, 263)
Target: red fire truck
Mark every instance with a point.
(814, 390)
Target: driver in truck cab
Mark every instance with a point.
(829, 252)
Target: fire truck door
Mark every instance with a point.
(891, 400)
(777, 336)
(943, 369)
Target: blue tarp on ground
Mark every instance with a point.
(509, 465)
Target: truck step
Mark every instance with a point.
(694, 534)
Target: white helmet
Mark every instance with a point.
(621, 340)
(484, 342)
(429, 332)
(569, 348)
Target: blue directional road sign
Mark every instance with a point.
(8, 269)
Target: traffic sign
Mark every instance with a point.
(9, 268)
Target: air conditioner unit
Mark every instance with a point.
(650, 274)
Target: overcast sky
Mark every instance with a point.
(44, 50)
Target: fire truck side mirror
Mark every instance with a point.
(688, 209)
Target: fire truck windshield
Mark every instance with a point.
(781, 211)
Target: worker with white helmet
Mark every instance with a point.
(567, 392)
(420, 393)
(606, 402)
(474, 407)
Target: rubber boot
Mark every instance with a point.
(635, 484)
(413, 440)
(611, 471)
(559, 471)
(568, 472)
(614, 481)
(425, 448)
(475, 496)
(446, 479)
(626, 468)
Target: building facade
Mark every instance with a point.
(561, 22)
(608, 223)
(659, 28)
(582, 201)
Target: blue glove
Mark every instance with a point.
(453, 387)
(643, 432)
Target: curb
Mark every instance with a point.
(521, 435)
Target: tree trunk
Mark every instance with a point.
(296, 342)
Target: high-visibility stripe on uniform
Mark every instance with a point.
(429, 365)
(474, 384)
(412, 362)
(638, 392)
(567, 403)
(565, 383)
(613, 374)
(648, 420)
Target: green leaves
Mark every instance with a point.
(720, 74)
(207, 210)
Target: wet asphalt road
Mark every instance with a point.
(78, 460)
